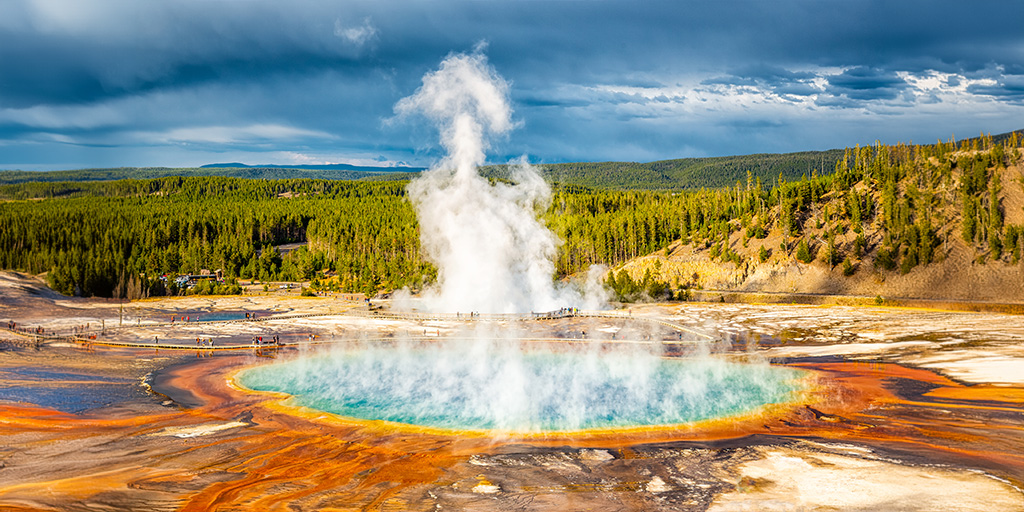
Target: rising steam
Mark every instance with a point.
(494, 255)
(492, 252)
(473, 384)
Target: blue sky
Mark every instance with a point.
(97, 83)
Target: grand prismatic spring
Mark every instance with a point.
(452, 387)
(498, 389)
(494, 256)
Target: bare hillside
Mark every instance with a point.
(958, 267)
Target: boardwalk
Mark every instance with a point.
(96, 338)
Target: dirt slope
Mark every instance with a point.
(957, 272)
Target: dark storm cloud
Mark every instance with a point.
(775, 79)
(1008, 88)
(866, 83)
(590, 79)
(532, 100)
(769, 74)
(98, 50)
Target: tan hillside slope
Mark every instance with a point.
(889, 261)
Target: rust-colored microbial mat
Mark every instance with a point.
(873, 431)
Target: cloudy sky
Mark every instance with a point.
(98, 83)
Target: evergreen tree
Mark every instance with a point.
(803, 251)
(969, 220)
(848, 268)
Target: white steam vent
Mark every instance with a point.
(492, 251)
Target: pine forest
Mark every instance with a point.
(893, 207)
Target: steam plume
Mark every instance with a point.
(494, 255)
(492, 252)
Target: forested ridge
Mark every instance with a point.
(684, 173)
(115, 238)
(676, 174)
(142, 173)
(884, 209)
(891, 205)
(680, 174)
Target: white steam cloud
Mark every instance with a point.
(495, 255)
(492, 252)
(480, 382)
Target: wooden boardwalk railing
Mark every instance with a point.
(33, 337)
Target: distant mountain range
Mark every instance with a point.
(679, 174)
(232, 170)
(321, 167)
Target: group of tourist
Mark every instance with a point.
(257, 341)
(561, 313)
(12, 326)
(75, 329)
